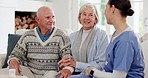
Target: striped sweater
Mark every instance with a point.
(41, 56)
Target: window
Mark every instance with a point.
(136, 21)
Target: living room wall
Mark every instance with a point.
(66, 12)
(145, 16)
(7, 16)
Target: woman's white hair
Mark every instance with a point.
(91, 6)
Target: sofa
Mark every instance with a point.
(144, 45)
(2, 59)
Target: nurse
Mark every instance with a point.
(125, 58)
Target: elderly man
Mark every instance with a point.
(41, 48)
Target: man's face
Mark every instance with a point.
(46, 19)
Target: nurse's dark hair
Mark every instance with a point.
(123, 5)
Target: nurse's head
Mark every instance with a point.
(118, 9)
(88, 16)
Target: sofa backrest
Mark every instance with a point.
(12, 40)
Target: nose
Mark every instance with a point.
(87, 17)
(51, 19)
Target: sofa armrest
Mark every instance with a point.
(2, 59)
(145, 54)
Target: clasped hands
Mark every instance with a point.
(66, 61)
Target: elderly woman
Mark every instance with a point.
(89, 43)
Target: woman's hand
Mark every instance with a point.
(67, 61)
(87, 73)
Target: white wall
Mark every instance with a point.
(7, 16)
(6, 26)
(62, 12)
(66, 14)
(145, 16)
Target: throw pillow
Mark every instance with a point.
(12, 40)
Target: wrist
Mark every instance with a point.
(69, 68)
(74, 64)
(92, 72)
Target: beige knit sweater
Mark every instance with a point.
(41, 56)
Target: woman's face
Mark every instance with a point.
(108, 14)
(88, 18)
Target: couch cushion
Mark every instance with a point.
(145, 53)
(12, 40)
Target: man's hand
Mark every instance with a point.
(15, 65)
(64, 73)
(67, 61)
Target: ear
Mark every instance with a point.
(97, 20)
(37, 19)
(112, 8)
(79, 18)
(54, 23)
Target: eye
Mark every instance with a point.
(84, 14)
(48, 17)
(91, 14)
(53, 16)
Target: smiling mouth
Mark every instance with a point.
(87, 22)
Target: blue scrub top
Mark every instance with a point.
(124, 54)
